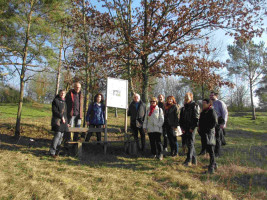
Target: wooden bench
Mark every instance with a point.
(130, 145)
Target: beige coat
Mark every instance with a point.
(154, 122)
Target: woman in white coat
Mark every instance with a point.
(154, 120)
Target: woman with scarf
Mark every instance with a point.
(153, 122)
(207, 123)
(171, 122)
(59, 122)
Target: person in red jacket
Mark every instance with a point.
(74, 101)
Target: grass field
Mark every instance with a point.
(28, 172)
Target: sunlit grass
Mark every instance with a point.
(27, 171)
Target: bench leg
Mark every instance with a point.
(134, 147)
(105, 148)
(78, 149)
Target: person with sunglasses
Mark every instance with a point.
(154, 120)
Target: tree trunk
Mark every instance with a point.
(251, 97)
(59, 60)
(129, 64)
(87, 70)
(22, 74)
(145, 58)
(145, 75)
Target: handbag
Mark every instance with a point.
(177, 131)
(55, 121)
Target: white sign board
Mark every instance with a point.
(117, 93)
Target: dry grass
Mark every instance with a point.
(27, 171)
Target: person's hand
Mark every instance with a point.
(191, 130)
(174, 128)
(88, 123)
(183, 131)
(104, 126)
(63, 120)
(69, 125)
(222, 126)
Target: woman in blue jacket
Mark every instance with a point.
(95, 117)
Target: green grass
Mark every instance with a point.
(29, 110)
(244, 122)
(27, 171)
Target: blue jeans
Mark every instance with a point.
(56, 142)
(74, 121)
(172, 140)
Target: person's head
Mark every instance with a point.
(161, 98)
(153, 101)
(206, 103)
(98, 98)
(188, 97)
(136, 97)
(213, 95)
(62, 94)
(171, 100)
(77, 87)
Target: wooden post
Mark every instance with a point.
(106, 131)
(126, 139)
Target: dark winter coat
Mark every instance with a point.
(189, 116)
(96, 114)
(70, 103)
(171, 116)
(59, 110)
(207, 124)
(137, 115)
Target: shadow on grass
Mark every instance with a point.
(246, 134)
(93, 155)
(241, 114)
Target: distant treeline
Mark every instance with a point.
(10, 95)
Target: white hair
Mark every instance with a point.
(135, 94)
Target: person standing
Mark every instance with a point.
(222, 114)
(59, 122)
(164, 133)
(154, 120)
(95, 117)
(74, 101)
(207, 124)
(188, 122)
(171, 122)
(137, 111)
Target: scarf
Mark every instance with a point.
(207, 108)
(168, 106)
(152, 108)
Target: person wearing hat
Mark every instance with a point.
(153, 122)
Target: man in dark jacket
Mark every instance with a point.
(74, 101)
(188, 122)
(137, 111)
(207, 124)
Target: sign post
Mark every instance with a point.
(116, 97)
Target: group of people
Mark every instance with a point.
(165, 119)
(67, 112)
(159, 119)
